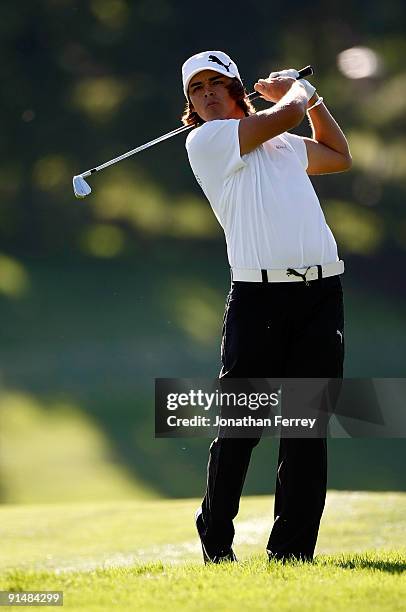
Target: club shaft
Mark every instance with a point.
(151, 143)
(308, 70)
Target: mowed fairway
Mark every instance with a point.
(144, 555)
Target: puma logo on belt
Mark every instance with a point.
(292, 272)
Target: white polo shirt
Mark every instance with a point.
(264, 200)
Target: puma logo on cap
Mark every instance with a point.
(216, 60)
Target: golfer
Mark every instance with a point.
(284, 312)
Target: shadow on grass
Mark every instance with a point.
(393, 567)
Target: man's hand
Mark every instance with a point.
(293, 73)
(274, 88)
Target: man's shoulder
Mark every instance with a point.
(193, 134)
(208, 130)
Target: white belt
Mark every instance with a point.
(288, 275)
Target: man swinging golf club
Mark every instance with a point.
(284, 312)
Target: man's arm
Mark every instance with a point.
(327, 150)
(287, 113)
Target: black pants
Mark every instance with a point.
(277, 330)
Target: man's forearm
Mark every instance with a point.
(285, 115)
(295, 95)
(325, 129)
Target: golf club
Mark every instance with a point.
(82, 189)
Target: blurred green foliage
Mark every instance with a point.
(86, 81)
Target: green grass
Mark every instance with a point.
(81, 344)
(144, 555)
(62, 448)
(343, 582)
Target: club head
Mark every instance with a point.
(80, 188)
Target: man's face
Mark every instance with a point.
(210, 97)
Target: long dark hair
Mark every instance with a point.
(237, 92)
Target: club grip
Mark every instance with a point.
(303, 72)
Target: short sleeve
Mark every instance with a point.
(214, 151)
(299, 146)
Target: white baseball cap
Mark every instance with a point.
(208, 60)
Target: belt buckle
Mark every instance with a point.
(312, 273)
